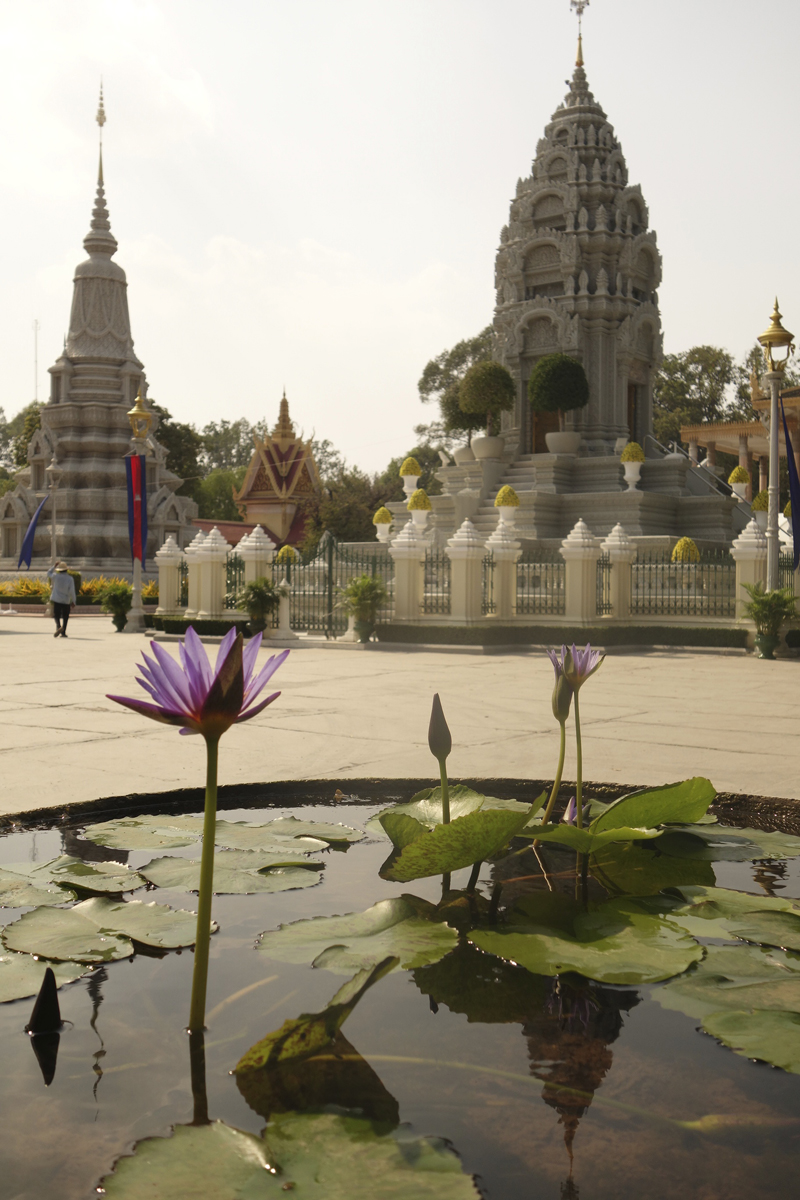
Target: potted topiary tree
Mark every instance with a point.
(739, 478)
(632, 458)
(558, 383)
(259, 599)
(419, 506)
(383, 523)
(507, 502)
(116, 598)
(410, 473)
(768, 611)
(760, 508)
(455, 420)
(486, 391)
(361, 599)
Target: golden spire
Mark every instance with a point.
(775, 337)
(579, 6)
(101, 120)
(284, 427)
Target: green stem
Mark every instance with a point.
(579, 768)
(473, 879)
(445, 791)
(557, 781)
(197, 1010)
(197, 1058)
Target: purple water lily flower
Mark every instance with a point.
(578, 665)
(197, 698)
(570, 816)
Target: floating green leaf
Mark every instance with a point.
(21, 975)
(236, 835)
(721, 913)
(720, 843)
(291, 827)
(609, 945)
(464, 841)
(773, 1037)
(676, 803)
(426, 806)
(586, 841)
(90, 877)
(362, 940)
(311, 1032)
(236, 872)
(66, 934)
(735, 977)
(637, 869)
(19, 891)
(146, 832)
(151, 924)
(324, 1156)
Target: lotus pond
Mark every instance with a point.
(615, 1023)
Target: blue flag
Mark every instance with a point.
(136, 471)
(794, 489)
(26, 552)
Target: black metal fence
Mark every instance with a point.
(436, 583)
(234, 578)
(683, 589)
(488, 605)
(604, 607)
(540, 582)
(786, 571)
(183, 583)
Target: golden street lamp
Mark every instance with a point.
(774, 339)
(141, 419)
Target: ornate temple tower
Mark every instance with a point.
(282, 473)
(85, 426)
(577, 272)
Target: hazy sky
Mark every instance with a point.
(309, 193)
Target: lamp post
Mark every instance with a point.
(141, 421)
(774, 338)
(55, 472)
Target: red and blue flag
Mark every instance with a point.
(26, 552)
(136, 471)
(794, 489)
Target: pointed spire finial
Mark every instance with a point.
(101, 120)
(580, 6)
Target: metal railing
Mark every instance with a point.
(683, 589)
(540, 583)
(234, 578)
(704, 473)
(488, 605)
(604, 607)
(318, 580)
(786, 571)
(436, 583)
(183, 583)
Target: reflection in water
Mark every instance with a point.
(197, 1063)
(44, 1027)
(770, 875)
(88, 851)
(94, 986)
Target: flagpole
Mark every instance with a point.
(141, 421)
(55, 473)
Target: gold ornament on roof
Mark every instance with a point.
(140, 418)
(775, 337)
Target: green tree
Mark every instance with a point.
(345, 505)
(690, 388)
(6, 459)
(183, 445)
(330, 462)
(487, 390)
(7, 481)
(558, 383)
(22, 428)
(228, 444)
(450, 366)
(215, 494)
(428, 458)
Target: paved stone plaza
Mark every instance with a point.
(648, 718)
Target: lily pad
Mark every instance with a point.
(151, 924)
(146, 832)
(66, 934)
(292, 827)
(637, 869)
(586, 841)
(609, 945)
(21, 975)
(311, 1032)
(237, 835)
(722, 913)
(738, 978)
(676, 803)
(362, 940)
(446, 848)
(19, 891)
(236, 872)
(773, 1037)
(426, 807)
(724, 844)
(322, 1156)
(90, 877)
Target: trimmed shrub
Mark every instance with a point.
(487, 390)
(209, 628)
(787, 512)
(150, 591)
(728, 637)
(410, 467)
(558, 383)
(685, 551)
(760, 501)
(506, 498)
(633, 452)
(419, 501)
(382, 516)
(286, 554)
(739, 475)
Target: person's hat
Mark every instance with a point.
(61, 566)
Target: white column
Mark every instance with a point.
(466, 553)
(168, 561)
(284, 634)
(257, 551)
(750, 553)
(622, 551)
(505, 550)
(580, 552)
(191, 554)
(212, 557)
(408, 553)
(773, 545)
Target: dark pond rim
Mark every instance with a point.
(767, 813)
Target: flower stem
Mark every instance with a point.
(445, 791)
(557, 781)
(197, 1011)
(579, 767)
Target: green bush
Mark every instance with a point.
(410, 467)
(739, 475)
(633, 452)
(363, 596)
(506, 498)
(490, 635)
(419, 501)
(769, 610)
(209, 628)
(259, 600)
(558, 383)
(487, 390)
(685, 551)
(787, 512)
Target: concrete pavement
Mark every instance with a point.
(647, 718)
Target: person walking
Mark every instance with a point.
(62, 596)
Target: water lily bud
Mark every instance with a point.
(562, 698)
(439, 738)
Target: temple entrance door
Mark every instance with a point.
(543, 423)
(632, 412)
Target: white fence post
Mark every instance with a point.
(580, 552)
(191, 554)
(622, 551)
(505, 550)
(408, 552)
(750, 553)
(168, 560)
(212, 556)
(466, 552)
